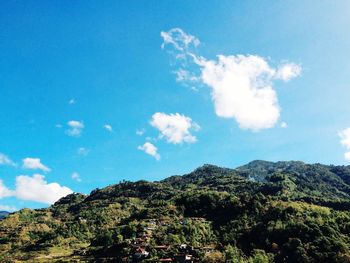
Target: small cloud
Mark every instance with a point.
(71, 101)
(345, 141)
(83, 151)
(5, 160)
(35, 188)
(150, 149)
(76, 177)
(140, 132)
(284, 125)
(34, 164)
(75, 128)
(108, 127)
(288, 71)
(175, 127)
(59, 126)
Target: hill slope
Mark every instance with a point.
(260, 212)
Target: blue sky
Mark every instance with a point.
(69, 68)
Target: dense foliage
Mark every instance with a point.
(260, 212)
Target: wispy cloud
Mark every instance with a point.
(179, 39)
(34, 164)
(76, 177)
(150, 149)
(140, 132)
(83, 151)
(5, 160)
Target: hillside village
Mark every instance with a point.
(289, 212)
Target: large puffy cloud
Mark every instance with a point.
(5, 160)
(345, 141)
(241, 85)
(35, 164)
(176, 128)
(241, 90)
(150, 149)
(75, 128)
(35, 188)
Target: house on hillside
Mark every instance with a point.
(184, 258)
(162, 247)
(141, 252)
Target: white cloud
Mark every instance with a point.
(284, 124)
(35, 188)
(175, 127)
(179, 39)
(108, 127)
(140, 132)
(76, 177)
(7, 208)
(75, 128)
(347, 156)
(183, 75)
(34, 163)
(5, 160)
(241, 85)
(71, 101)
(150, 149)
(288, 71)
(83, 151)
(345, 141)
(241, 89)
(345, 137)
(4, 191)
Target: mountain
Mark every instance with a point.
(3, 214)
(259, 212)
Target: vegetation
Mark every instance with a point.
(257, 213)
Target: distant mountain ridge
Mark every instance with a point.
(286, 211)
(3, 214)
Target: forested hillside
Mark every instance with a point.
(260, 212)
